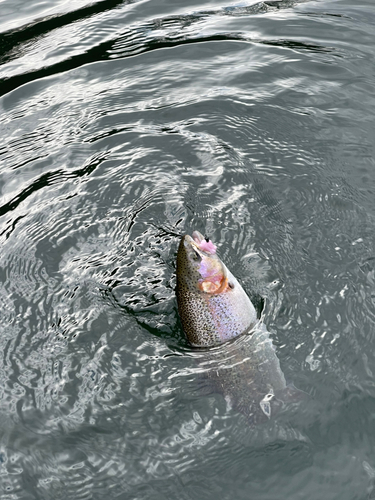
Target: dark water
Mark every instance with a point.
(125, 124)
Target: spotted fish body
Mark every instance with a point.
(214, 308)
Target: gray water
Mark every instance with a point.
(125, 124)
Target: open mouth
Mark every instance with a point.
(203, 243)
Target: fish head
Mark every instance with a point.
(199, 267)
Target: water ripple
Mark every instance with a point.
(168, 32)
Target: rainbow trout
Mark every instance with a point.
(214, 309)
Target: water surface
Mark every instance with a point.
(125, 124)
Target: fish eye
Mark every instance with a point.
(196, 255)
(207, 238)
(230, 284)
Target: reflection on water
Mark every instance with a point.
(125, 125)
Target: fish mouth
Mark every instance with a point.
(192, 247)
(202, 243)
(201, 254)
(198, 237)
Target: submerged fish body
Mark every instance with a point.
(247, 373)
(214, 309)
